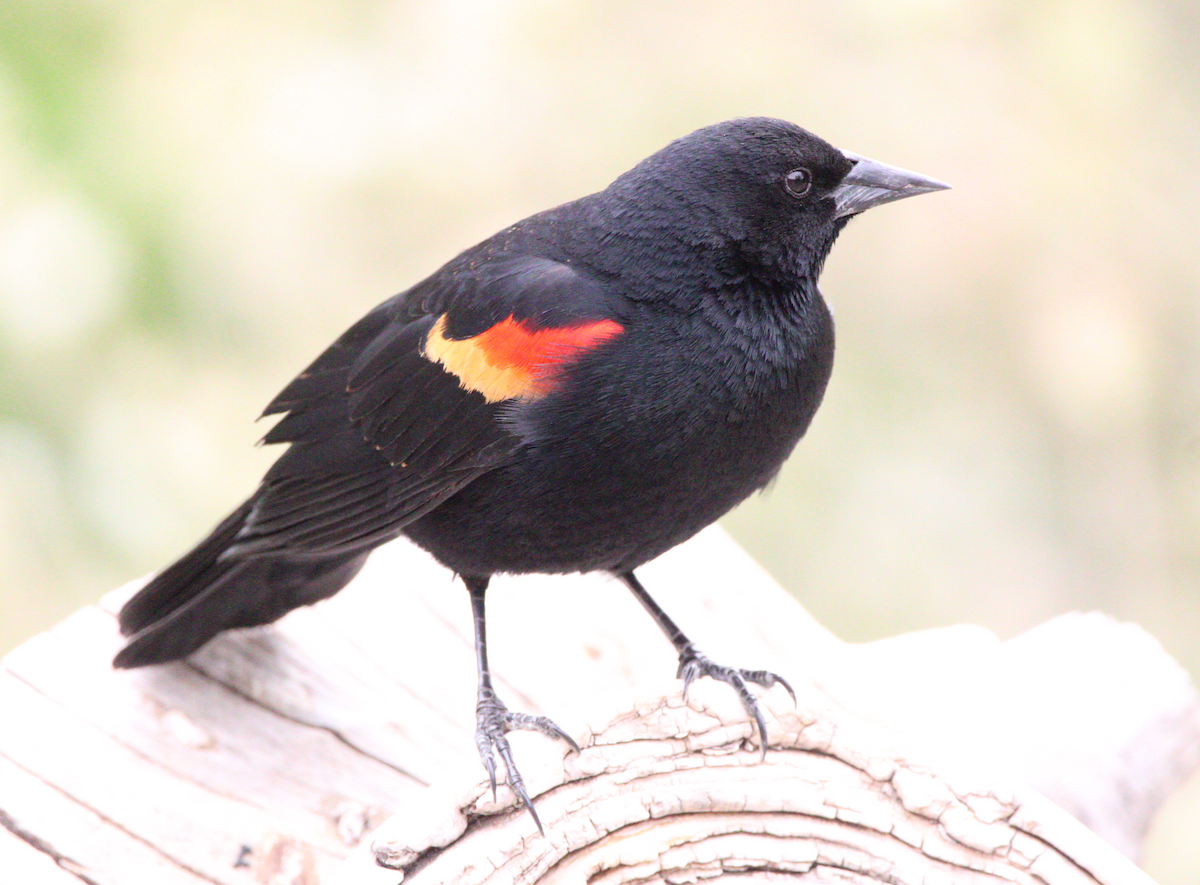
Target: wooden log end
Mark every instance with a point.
(676, 790)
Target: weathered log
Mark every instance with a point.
(271, 753)
(674, 792)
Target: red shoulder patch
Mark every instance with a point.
(511, 360)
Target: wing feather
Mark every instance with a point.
(381, 431)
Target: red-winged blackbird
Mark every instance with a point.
(581, 391)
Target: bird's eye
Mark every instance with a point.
(798, 182)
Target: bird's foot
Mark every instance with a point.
(493, 721)
(694, 664)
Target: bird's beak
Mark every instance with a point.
(871, 183)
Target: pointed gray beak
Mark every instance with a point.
(871, 183)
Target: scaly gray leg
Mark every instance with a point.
(693, 663)
(493, 720)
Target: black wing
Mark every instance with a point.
(409, 405)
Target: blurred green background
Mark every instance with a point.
(196, 197)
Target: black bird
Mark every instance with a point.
(582, 391)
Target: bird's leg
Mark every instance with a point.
(693, 663)
(493, 720)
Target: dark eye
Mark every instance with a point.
(798, 182)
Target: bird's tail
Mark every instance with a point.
(193, 600)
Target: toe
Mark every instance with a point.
(693, 664)
(541, 724)
(515, 781)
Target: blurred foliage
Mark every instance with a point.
(195, 198)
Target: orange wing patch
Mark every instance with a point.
(510, 360)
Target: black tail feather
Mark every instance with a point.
(177, 584)
(201, 595)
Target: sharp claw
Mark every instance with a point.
(537, 820)
(786, 685)
(687, 670)
(561, 735)
(762, 729)
(519, 789)
(484, 744)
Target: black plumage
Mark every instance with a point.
(582, 391)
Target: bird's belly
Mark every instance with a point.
(569, 508)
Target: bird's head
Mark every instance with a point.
(772, 191)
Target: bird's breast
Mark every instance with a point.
(693, 393)
(647, 438)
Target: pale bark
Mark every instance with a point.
(272, 753)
